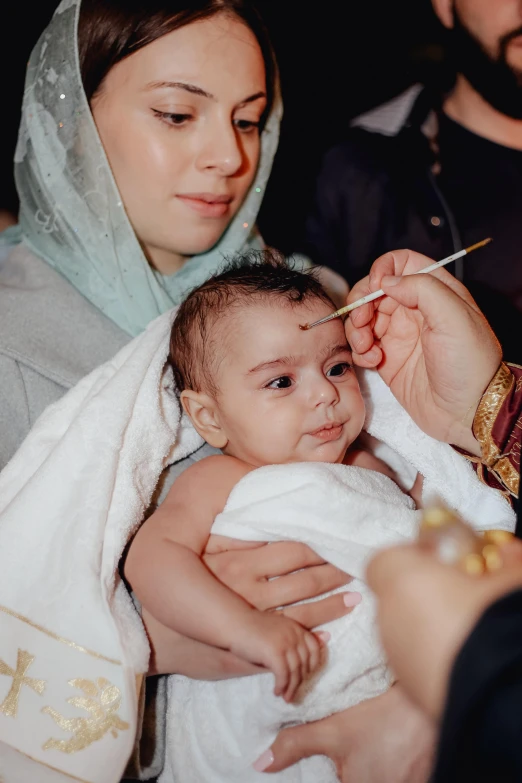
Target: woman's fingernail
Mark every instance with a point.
(390, 279)
(352, 599)
(324, 636)
(264, 761)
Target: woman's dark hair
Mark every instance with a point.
(110, 30)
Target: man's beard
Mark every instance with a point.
(496, 81)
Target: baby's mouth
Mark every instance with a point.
(327, 432)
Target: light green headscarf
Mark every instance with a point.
(71, 212)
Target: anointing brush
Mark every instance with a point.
(380, 292)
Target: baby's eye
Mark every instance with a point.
(338, 370)
(284, 382)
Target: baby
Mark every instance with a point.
(264, 392)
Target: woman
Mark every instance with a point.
(147, 138)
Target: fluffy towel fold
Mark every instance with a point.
(216, 730)
(69, 501)
(72, 647)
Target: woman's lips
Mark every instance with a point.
(207, 204)
(328, 433)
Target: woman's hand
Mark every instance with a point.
(300, 573)
(251, 573)
(382, 740)
(426, 610)
(429, 342)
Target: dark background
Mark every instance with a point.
(337, 58)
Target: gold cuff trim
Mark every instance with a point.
(487, 412)
(61, 639)
(508, 475)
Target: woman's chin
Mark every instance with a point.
(203, 243)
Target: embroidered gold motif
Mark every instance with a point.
(102, 700)
(10, 704)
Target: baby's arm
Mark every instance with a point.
(167, 574)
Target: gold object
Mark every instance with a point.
(498, 537)
(492, 557)
(473, 564)
(444, 533)
(380, 292)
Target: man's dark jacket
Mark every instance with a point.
(377, 190)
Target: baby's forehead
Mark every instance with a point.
(272, 324)
(256, 313)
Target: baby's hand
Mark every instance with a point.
(280, 644)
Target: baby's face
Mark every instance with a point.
(287, 395)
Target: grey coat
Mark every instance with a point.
(50, 337)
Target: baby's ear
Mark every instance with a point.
(202, 411)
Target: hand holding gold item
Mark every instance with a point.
(454, 542)
(432, 593)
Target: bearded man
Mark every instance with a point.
(437, 173)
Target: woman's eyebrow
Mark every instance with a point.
(252, 98)
(195, 90)
(192, 88)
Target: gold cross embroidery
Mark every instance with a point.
(10, 704)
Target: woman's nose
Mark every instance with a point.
(221, 151)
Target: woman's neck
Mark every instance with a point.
(467, 107)
(164, 261)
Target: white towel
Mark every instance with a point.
(72, 647)
(69, 501)
(215, 730)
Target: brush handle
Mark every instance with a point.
(380, 292)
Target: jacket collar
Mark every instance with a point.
(414, 108)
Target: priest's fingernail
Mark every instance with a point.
(324, 636)
(352, 599)
(264, 761)
(390, 280)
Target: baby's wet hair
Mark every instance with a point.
(254, 277)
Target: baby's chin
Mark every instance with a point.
(332, 453)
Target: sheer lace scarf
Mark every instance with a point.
(71, 212)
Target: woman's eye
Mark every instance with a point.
(172, 118)
(284, 382)
(338, 370)
(246, 126)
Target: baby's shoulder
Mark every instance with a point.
(210, 480)
(219, 466)
(361, 458)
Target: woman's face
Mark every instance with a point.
(179, 121)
